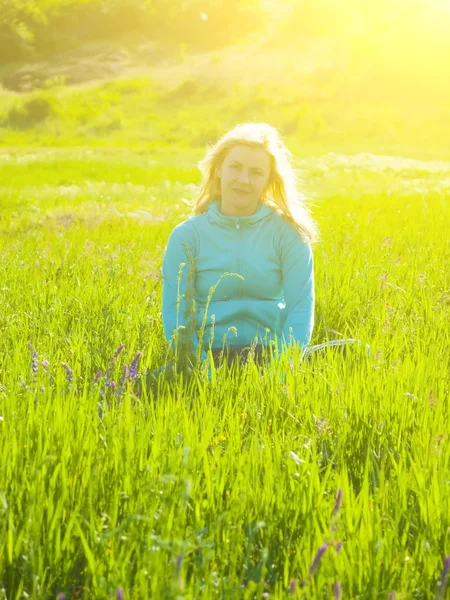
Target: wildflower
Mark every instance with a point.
(446, 568)
(391, 596)
(179, 562)
(337, 590)
(337, 505)
(316, 562)
(117, 352)
(338, 547)
(292, 586)
(34, 359)
(69, 372)
(114, 357)
(443, 579)
(120, 594)
(134, 366)
(61, 596)
(98, 375)
(112, 362)
(124, 376)
(45, 364)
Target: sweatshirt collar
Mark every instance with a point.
(215, 216)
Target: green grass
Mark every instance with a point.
(221, 488)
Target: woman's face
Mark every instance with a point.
(244, 175)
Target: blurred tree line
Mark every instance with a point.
(39, 28)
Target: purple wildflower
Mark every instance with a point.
(338, 503)
(125, 374)
(61, 596)
(109, 372)
(45, 364)
(117, 352)
(112, 362)
(443, 579)
(98, 375)
(316, 562)
(120, 595)
(134, 365)
(178, 563)
(69, 372)
(446, 567)
(338, 547)
(34, 359)
(292, 586)
(337, 590)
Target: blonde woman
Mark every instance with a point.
(240, 272)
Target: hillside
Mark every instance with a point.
(320, 94)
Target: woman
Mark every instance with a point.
(250, 244)
(239, 274)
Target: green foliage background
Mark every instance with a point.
(30, 27)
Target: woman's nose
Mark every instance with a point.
(244, 176)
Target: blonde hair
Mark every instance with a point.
(281, 192)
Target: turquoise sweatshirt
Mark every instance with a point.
(273, 299)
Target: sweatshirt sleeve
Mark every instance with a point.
(298, 284)
(178, 289)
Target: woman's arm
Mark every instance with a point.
(297, 266)
(178, 290)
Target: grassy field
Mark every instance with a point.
(224, 488)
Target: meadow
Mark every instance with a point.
(305, 480)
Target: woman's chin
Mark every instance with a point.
(243, 201)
